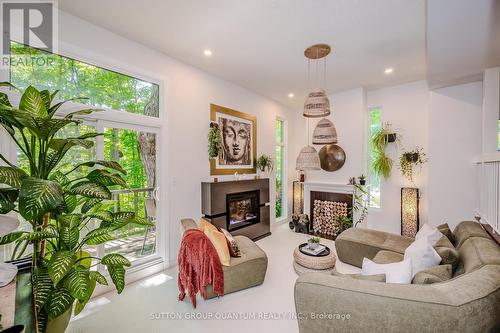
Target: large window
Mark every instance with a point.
(73, 78)
(126, 141)
(375, 123)
(280, 167)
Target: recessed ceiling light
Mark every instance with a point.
(290, 95)
(388, 70)
(208, 53)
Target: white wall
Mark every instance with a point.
(406, 107)
(491, 110)
(455, 142)
(445, 123)
(186, 95)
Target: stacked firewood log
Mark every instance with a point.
(325, 217)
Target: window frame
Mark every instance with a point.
(369, 172)
(284, 168)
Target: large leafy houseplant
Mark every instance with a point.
(60, 207)
(382, 164)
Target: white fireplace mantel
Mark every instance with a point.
(324, 187)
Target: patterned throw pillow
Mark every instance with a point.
(231, 244)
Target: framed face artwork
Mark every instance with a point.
(239, 141)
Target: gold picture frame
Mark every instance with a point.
(243, 154)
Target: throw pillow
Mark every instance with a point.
(422, 255)
(231, 243)
(445, 230)
(375, 278)
(433, 275)
(398, 272)
(447, 252)
(431, 233)
(209, 227)
(203, 223)
(219, 242)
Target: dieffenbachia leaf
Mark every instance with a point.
(117, 273)
(78, 283)
(106, 178)
(90, 190)
(115, 259)
(32, 102)
(60, 264)
(60, 300)
(38, 196)
(12, 176)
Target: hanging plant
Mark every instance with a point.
(214, 141)
(382, 164)
(409, 160)
(264, 163)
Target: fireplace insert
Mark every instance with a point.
(243, 209)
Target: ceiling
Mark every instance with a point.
(463, 38)
(259, 44)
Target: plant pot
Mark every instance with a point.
(14, 329)
(411, 157)
(312, 245)
(59, 324)
(391, 137)
(362, 182)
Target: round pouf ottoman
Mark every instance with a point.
(304, 263)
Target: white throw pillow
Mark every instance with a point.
(429, 232)
(398, 272)
(422, 255)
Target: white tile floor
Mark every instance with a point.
(151, 305)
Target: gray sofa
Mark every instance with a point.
(249, 270)
(469, 302)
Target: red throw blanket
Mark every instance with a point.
(199, 266)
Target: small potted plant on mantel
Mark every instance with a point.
(264, 164)
(362, 180)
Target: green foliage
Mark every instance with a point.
(381, 163)
(264, 163)
(59, 199)
(314, 240)
(409, 160)
(214, 141)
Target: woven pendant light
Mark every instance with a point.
(308, 159)
(324, 133)
(317, 104)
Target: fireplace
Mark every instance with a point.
(324, 203)
(243, 209)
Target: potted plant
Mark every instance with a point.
(362, 180)
(264, 163)
(345, 221)
(313, 243)
(59, 206)
(382, 164)
(214, 141)
(409, 160)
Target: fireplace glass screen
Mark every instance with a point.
(242, 209)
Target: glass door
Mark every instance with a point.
(135, 150)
